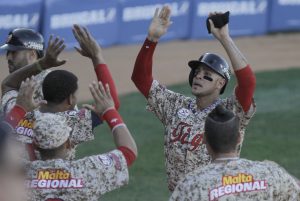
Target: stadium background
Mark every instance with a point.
(264, 30)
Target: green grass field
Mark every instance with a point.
(273, 134)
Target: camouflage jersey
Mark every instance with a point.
(79, 120)
(9, 98)
(184, 127)
(84, 179)
(238, 180)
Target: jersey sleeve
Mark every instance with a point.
(233, 104)
(163, 102)
(109, 171)
(8, 101)
(286, 187)
(81, 123)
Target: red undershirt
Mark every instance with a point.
(105, 77)
(142, 76)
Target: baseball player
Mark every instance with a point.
(229, 177)
(11, 169)
(25, 58)
(184, 117)
(55, 178)
(60, 91)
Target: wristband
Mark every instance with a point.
(113, 119)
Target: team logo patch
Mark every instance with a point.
(72, 113)
(237, 184)
(117, 161)
(183, 113)
(105, 160)
(54, 179)
(33, 45)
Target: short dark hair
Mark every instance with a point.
(59, 85)
(222, 130)
(49, 153)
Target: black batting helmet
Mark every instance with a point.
(24, 39)
(215, 63)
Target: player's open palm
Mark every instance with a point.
(221, 33)
(88, 45)
(102, 98)
(25, 95)
(160, 23)
(54, 48)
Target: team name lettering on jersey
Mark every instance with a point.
(237, 184)
(181, 134)
(25, 128)
(54, 179)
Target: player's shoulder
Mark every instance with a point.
(157, 87)
(36, 165)
(205, 172)
(8, 96)
(41, 76)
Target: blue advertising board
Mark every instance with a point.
(247, 17)
(284, 15)
(99, 16)
(136, 16)
(18, 13)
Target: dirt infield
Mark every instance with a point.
(170, 60)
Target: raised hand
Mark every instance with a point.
(221, 33)
(54, 48)
(160, 23)
(88, 45)
(25, 95)
(102, 98)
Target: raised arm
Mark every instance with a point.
(244, 74)
(91, 49)
(24, 103)
(142, 72)
(104, 106)
(54, 48)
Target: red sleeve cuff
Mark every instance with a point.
(150, 43)
(128, 154)
(142, 72)
(113, 118)
(16, 114)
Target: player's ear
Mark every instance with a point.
(221, 82)
(33, 55)
(70, 99)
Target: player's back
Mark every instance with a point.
(84, 179)
(238, 180)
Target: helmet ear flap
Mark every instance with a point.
(191, 76)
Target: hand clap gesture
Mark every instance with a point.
(102, 98)
(160, 23)
(54, 48)
(25, 95)
(88, 45)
